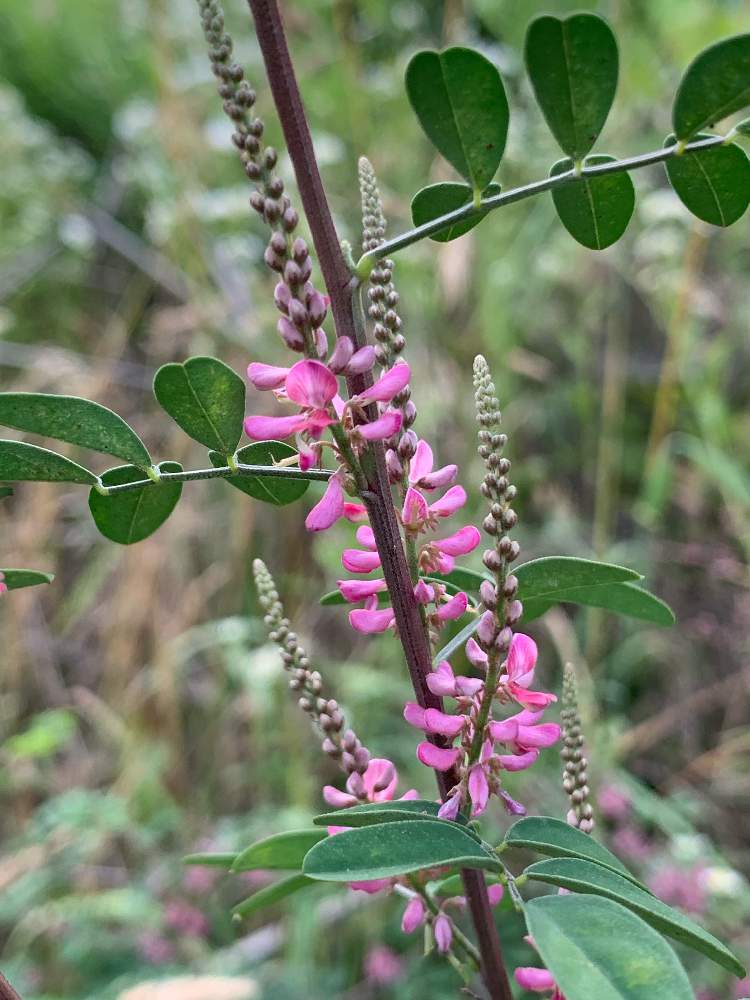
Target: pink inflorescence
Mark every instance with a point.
(3, 584)
(421, 520)
(475, 756)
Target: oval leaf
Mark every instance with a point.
(715, 84)
(384, 812)
(75, 420)
(595, 210)
(389, 849)
(552, 576)
(550, 836)
(714, 183)
(271, 894)
(280, 851)
(620, 598)
(131, 516)
(586, 877)
(206, 398)
(573, 66)
(596, 948)
(459, 98)
(439, 199)
(17, 579)
(20, 462)
(276, 491)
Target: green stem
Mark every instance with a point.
(471, 211)
(223, 472)
(458, 936)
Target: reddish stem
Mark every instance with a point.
(6, 990)
(338, 280)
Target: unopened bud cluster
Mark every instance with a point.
(575, 775)
(303, 308)
(383, 311)
(499, 597)
(338, 742)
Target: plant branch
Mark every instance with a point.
(6, 990)
(222, 472)
(470, 211)
(377, 497)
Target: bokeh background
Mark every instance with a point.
(142, 713)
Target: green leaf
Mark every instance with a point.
(131, 516)
(715, 84)
(218, 860)
(462, 578)
(595, 210)
(372, 813)
(17, 579)
(627, 599)
(280, 851)
(271, 894)
(713, 183)
(552, 576)
(587, 877)
(743, 127)
(550, 836)
(459, 98)
(77, 421)
(573, 66)
(596, 948)
(458, 640)
(439, 199)
(276, 491)
(453, 885)
(5, 492)
(206, 398)
(20, 462)
(390, 849)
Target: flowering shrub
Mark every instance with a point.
(347, 405)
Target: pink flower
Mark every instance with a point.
(381, 428)
(414, 915)
(371, 620)
(536, 980)
(479, 789)
(520, 673)
(444, 725)
(460, 543)
(3, 585)
(265, 377)
(387, 386)
(359, 590)
(330, 508)
(443, 931)
(420, 470)
(357, 561)
(382, 966)
(312, 386)
(453, 608)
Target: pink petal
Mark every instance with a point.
(414, 915)
(317, 421)
(338, 799)
(414, 511)
(476, 655)
(266, 376)
(522, 659)
(450, 808)
(453, 608)
(307, 456)
(460, 543)
(450, 502)
(439, 478)
(381, 779)
(357, 561)
(479, 789)
(361, 361)
(504, 732)
(441, 681)
(263, 428)
(382, 428)
(536, 980)
(372, 886)
(414, 715)
(495, 893)
(421, 462)
(443, 931)
(310, 383)
(437, 757)
(339, 405)
(359, 590)
(355, 512)
(487, 628)
(341, 355)
(527, 717)
(446, 564)
(538, 736)
(329, 508)
(383, 391)
(366, 537)
(409, 796)
(517, 762)
(532, 699)
(371, 622)
(444, 725)
(424, 593)
(469, 686)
